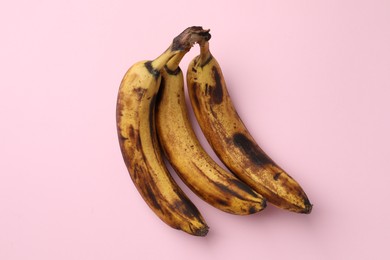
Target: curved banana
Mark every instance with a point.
(194, 166)
(231, 140)
(135, 114)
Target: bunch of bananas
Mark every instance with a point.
(153, 122)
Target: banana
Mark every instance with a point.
(135, 115)
(193, 165)
(231, 140)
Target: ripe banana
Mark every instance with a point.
(135, 115)
(231, 140)
(194, 166)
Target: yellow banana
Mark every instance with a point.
(138, 141)
(231, 140)
(194, 166)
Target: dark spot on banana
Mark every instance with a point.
(216, 92)
(139, 92)
(251, 149)
(207, 61)
(222, 202)
(207, 90)
(194, 96)
(138, 144)
(193, 69)
(172, 72)
(152, 197)
(229, 191)
(136, 172)
(276, 176)
(152, 70)
(244, 187)
(131, 132)
(188, 209)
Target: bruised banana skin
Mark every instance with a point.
(231, 140)
(138, 141)
(193, 165)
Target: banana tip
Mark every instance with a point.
(202, 232)
(264, 204)
(308, 207)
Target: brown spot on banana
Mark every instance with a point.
(134, 135)
(186, 208)
(194, 96)
(228, 190)
(276, 176)
(251, 149)
(207, 61)
(244, 187)
(216, 92)
(152, 197)
(153, 71)
(222, 202)
(139, 92)
(172, 72)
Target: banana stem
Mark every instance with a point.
(159, 63)
(205, 53)
(181, 45)
(173, 63)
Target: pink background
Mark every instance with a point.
(311, 79)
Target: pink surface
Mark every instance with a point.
(311, 79)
